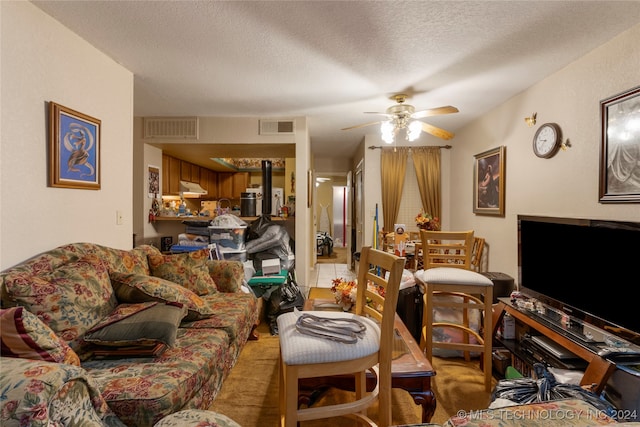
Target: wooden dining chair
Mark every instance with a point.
(451, 283)
(308, 356)
(476, 254)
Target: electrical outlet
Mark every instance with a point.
(119, 218)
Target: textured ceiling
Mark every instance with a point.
(332, 61)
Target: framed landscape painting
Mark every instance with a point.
(74, 149)
(488, 182)
(620, 148)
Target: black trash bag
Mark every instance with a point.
(268, 240)
(544, 387)
(284, 299)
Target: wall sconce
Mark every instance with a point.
(530, 121)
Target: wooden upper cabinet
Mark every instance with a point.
(195, 173)
(209, 181)
(174, 176)
(225, 185)
(185, 170)
(240, 183)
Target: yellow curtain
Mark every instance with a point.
(393, 165)
(426, 161)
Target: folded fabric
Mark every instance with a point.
(345, 330)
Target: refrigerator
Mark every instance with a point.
(277, 199)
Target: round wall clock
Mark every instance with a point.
(547, 140)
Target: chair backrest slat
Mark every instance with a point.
(379, 277)
(447, 248)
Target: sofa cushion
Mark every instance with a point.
(235, 313)
(124, 261)
(141, 391)
(228, 274)
(132, 288)
(23, 335)
(70, 300)
(188, 269)
(142, 324)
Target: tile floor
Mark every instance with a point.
(325, 273)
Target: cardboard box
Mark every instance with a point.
(270, 266)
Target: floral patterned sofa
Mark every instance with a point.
(65, 310)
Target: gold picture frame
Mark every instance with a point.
(489, 182)
(74, 149)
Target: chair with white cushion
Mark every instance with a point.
(451, 284)
(309, 356)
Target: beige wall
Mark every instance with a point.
(43, 61)
(565, 185)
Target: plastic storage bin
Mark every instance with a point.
(232, 255)
(228, 238)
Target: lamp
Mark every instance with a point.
(389, 128)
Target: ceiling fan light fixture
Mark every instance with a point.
(387, 129)
(413, 130)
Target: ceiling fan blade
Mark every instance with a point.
(362, 125)
(434, 112)
(435, 131)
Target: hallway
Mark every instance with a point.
(325, 273)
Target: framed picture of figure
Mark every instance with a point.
(488, 182)
(74, 149)
(620, 148)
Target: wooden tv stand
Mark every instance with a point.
(598, 369)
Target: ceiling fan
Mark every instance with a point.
(402, 116)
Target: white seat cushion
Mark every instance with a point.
(299, 349)
(455, 276)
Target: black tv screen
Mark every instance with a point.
(587, 268)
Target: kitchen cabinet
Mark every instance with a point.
(195, 173)
(209, 181)
(225, 185)
(189, 172)
(170, 175)
(231, 184)
(185, 171)
(240, 183)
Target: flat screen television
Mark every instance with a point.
(588, 269)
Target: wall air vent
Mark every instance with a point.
(277, 127)
(171, 127)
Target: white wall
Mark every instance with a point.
(43, 61)
(565, 185)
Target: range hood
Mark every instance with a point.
(191, 189)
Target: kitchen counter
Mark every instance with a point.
(184, 218)
(247, 219)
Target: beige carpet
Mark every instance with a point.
(250, 394)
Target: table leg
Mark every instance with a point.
(428, 401)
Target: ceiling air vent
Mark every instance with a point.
(171, 127)
(277, 127)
